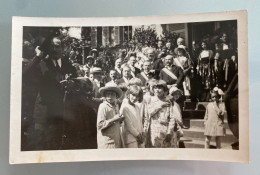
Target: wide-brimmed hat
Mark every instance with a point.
(110, 86)
(174, 89)
(95, 70)
(182, 47)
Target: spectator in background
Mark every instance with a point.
(89, 62)
(204, 70)
(169, 49)
(185, 64)
(118, 64)
(131, 63)
(113, 76)
(145, 75)
(97, 75)
(180, 41)
(126, 75)
(171, 74)
(160, 46)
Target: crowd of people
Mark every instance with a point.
(68, 103)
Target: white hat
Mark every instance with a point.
(90, 57)
(174, 89)
(182, 47)
(218, 90)
(110, 86)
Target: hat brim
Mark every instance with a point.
(89, 58)
(117, 90)
(176, 92)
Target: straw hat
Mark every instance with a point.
(110, 86)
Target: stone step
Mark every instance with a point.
(198, 123)
(186, 142)
(197, 133)
(193, 114)
(190, 105)
(195, 105)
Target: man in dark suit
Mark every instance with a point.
(126, 75)
(118, 64)
(50, 69)
(145, 75)
(156, 63)
(131, 63)
(172, 74)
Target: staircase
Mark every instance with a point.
(193, 137)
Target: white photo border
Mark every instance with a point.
(16, 156)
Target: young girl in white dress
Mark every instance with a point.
(133, 126)
(214, 119)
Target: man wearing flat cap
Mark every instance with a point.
(96, 74)
(89, 62)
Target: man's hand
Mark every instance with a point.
(165, 104)
(118, 117)
(139, 138)
(168, 137)
(39, 53)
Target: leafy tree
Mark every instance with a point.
(144, 36)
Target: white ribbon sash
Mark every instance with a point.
(178, 63)
(144, 75)
(168, 72)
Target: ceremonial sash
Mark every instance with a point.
(144, 75)
(178, 63)
(225, 67)
(168, 72)
(132, 73)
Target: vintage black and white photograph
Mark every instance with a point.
(159, 85)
